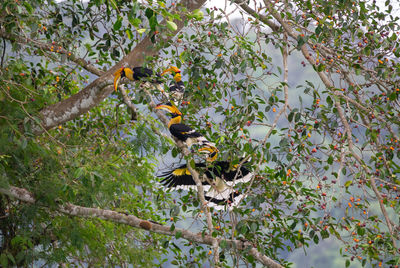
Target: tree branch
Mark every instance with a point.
(274, 27)
(342, 116)
(100, 88)
(116, 217)
(48, 47)
(128, 102)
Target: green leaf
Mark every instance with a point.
(192, 163)
(3, 260)
(300, 41)
(153, 23)
(28, 7)
(223, 244)
(198, 14)
(175, 211)
(316, 239)
(318, 30)
(348, 183)
(297, 117)
(78, 172)
(290, 116)
(129, 34)
(135, 22)
(149, 13)
(141, 31)
(118, 24)
(172, 26)
(393, 96)
(324, 234)
(360, 230)
(254, 227)
(178, 234)
(114, 4)
(166, 244)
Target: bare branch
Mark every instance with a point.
(128, 102)
(113, 216)
(48, 47)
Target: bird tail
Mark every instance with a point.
(227, 199)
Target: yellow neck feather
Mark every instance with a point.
(175, 120)
(178, 77)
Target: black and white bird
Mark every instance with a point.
(136, 73)
(177, 88)
(186, 134)
(218, 179)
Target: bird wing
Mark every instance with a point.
(181, 178)
(183, 132)
(220, 194)
(141, 73)
(221, 203)
(237, 175)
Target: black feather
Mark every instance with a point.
(141, 73)
(217, 201)
(182, 132)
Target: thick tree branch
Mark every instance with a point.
(116, 217)
(99, 89)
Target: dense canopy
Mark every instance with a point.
(301, 95)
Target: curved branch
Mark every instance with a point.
(131, 220)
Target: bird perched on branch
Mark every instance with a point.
(140, 74)
(186, 134)
(177, 88)
(218, 181)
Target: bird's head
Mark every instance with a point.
(175, 72)
(122, 72)
(211, 151)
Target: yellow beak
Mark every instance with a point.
(117, 77)
(170, 70)
(168, 108)
(211, 151)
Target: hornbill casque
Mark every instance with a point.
(218, 181)
(177, 88)
(186, 134)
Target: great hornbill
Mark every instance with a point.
(186, 134)
(177, 88)
(218, 181)
(139, 74)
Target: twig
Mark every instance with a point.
(128, 102)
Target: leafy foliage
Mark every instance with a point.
(323, 145)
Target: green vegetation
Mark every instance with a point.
(307, 92)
